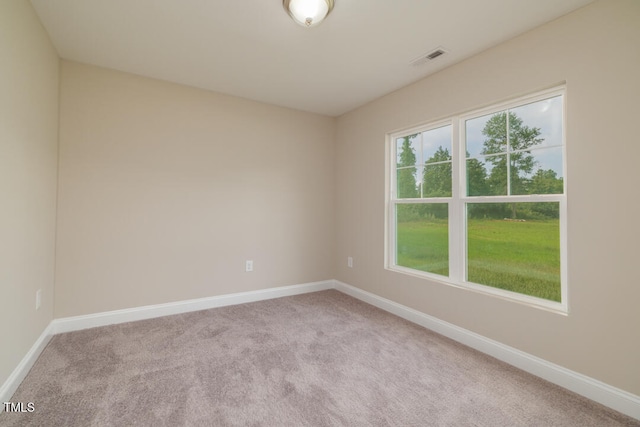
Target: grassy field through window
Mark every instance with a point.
(424, 245)
(519, 256)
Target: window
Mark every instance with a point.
(479, 201)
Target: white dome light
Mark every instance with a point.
(308, 13)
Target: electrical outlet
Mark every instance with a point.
(248, 266)
(350, 262)
(38, 299)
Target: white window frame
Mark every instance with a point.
(458, 200)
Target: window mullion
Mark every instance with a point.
(421, 163)
(523, 198)
(456, 219)
(392, 244)
(508, 155)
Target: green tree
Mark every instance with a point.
(407, 187)
(546, 182)
(436, 182)
(436, 178)
(477, 184)
(502, 129)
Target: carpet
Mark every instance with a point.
(319, 359)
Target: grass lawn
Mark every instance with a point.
(522, 257)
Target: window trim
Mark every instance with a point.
(458, 201)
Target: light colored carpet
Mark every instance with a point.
(321, 359)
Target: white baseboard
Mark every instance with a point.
(20, 372)
(620, 400)
(76, 323)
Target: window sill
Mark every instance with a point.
(529, 301)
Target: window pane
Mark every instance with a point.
(475, 139)
(487, 176)
(436, 180)
(407, 151)
(436, 145)
(422, 237)
(532, 125)
(542, 118)
(546, 177)
(515, 246)
(407, 186)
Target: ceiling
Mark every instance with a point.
(253, 49)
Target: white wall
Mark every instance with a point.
(595, 50)
(166, 190)
(28, 168)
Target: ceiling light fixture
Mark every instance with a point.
(308, 13)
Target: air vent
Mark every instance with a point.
(429, 56)
(434, 55)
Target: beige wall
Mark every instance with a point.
(28, 167)
(595, 50)
(165, 191)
